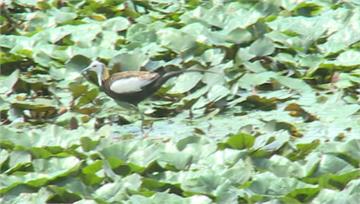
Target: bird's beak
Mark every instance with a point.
(85, 70)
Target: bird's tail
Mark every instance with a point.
(164, 78)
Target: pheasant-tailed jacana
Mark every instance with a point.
(130, 86)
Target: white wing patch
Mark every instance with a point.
(129, 85)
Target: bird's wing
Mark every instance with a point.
(131, 81)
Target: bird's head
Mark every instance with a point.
(98, 68)
(95, 66)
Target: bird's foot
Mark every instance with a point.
(145, 133)
(146, 128)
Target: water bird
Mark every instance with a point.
(131, 87)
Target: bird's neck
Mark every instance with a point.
(103, 76)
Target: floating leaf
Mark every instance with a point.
(186, 82)
(7, 84)
(129, 61)
(262, 47)
(348, 58)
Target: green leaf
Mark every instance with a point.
(4, 155)
(250, 81)
(84, 34)
(239, 36)
(18, 159)
(262, 47)
(162, 197)
(347, 33)
(77, 63)
(129, 61)
(268, 184)
(293, 83)
(217, 92)
(180, 160)
(175, 40)
(186, 82)
(348, 58)
(116, 24)
(283, 167)
(118, 190)
(332, 164)
(7, 84)
(41, 196)
(241, 141)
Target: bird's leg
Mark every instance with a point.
(143, 125)
(142, 117)
(191, 114)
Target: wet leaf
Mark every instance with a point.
(262, 47)
(129, 61)
(217, 92)
(348, 58)
(7, 84)
(116, 24)
(175, 40)
(186, 82)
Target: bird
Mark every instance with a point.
(130, 87)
